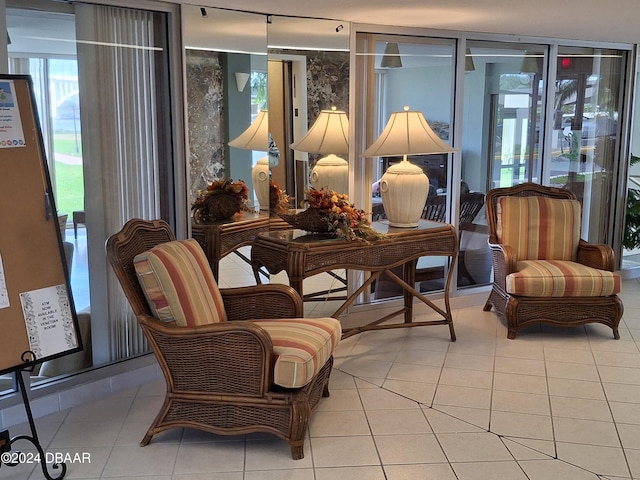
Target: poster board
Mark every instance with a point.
(38, 320)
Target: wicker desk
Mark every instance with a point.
(302, 255)
(221, 238)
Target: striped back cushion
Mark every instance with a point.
(539, 228)
(177, 280)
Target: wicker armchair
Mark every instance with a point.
(532, 283)
(220, 376)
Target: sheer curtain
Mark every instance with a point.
(117, 60)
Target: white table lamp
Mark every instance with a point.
(329, 135)
(404, 187)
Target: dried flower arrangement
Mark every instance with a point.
(332, 212)
(221, 200)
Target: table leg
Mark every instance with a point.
(409, 278)
(296, 284)
(447, 287)
(215, 268)
(256, 266)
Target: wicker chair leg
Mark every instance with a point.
(147, 438)
(300, 415)
(325, 390)
(297, 452)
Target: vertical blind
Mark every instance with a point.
(119, 111)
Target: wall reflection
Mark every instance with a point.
(308, 73)
(225, 54)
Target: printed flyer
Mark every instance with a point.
(11, 134)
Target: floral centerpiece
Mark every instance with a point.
(221, 200)
(332, 212)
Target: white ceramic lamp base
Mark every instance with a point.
(404, 188)
(332, 173)
(260, 180)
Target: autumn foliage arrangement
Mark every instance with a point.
(339, 216)
(222, 199)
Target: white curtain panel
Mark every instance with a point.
(120, 132)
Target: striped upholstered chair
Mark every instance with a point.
(543, 270)
(237, 360)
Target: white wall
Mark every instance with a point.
(427, 89)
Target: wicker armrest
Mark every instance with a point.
(505, 255)
(204, 359)
(262, 301)
(596, 255)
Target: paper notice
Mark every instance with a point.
(47, 314)
(11, 134)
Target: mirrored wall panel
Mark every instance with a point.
(226, 73)
(309, 104)
(408, 81)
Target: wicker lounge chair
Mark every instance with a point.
(220, 376)
(543, 270)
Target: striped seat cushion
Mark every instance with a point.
(302, 346)
(559, 278)
(539, 228)
(178, 283)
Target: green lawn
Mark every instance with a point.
(69, 188)
(69, 180)
(68, 144)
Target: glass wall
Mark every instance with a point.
(503, 115)
(542, 113)
(585, 143)
(504, 90)
(418, 73)
(101, 85)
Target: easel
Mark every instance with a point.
(33, 438)
(37, 314)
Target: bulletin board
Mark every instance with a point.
(38, 320)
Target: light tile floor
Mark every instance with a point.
(405, 404)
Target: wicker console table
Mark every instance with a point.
(302, 255)
(221, 238)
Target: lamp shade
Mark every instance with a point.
(328, 134)
(469, 66)
(404, 187)
(407, 133)
(391, 57)
(256, 137)
(532, 62)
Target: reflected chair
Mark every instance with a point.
(435, 208)
(543, 270)
(235, 361)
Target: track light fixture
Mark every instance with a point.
(203, 12)
(339, 27)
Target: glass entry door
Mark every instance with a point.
(586, 136)
(513, 145)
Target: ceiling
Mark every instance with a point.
(612, 21)
(597, 20)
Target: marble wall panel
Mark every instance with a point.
(205, 119)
